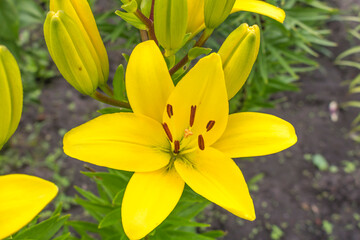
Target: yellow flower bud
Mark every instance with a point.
(217, 11)
(238, 54)
(72, 52)
(80, 12)
(11, 95)
(170, 23)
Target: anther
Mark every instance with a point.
(210, 125)
(192, 115)
(201, 142)
(167, 131)
(177, 146)
(169, 110)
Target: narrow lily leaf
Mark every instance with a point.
(119, 84)
(109, 110)
(131, 19)
(44, 230)
(197, 51)
(130, 7)
(112, 218)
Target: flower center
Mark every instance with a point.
(176, 147)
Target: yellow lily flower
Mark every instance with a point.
(177, 135)
(196, 12)
(22, 197)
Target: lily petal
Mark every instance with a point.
(22, 198)
(149, 198)
(147, 70)
(260, 7)
(255, 134)
(202, 87)
(123, 141)
(217, 178)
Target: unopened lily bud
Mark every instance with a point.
(72, 52)
(217, 11)
(80, 12)
(11, 95)
(238, 54)
(170, 23)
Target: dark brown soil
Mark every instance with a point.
(294, 195)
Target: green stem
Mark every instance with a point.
(200, 42)
(107, 90)
(149, 24)
(144, 35)
(111, 101)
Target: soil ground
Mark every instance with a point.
(294, 200)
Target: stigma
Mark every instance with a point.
(188, 133)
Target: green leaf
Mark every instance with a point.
(110, 110)
(90, 196)
(214, 234)
(197, 51)
(113, 182)
(126, 57)
(181, 235)
(130, 7)
(119, 84)
(65, 236)
(132, 19)
(44, 230)
(112, 218)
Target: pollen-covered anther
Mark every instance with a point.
(169, 110)
(210, 125)
(192, 115)
(176, 146)
(201, 142)
(187, 133)
(167, 131)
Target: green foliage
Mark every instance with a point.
(286, 50)
(21, 22)
(105, 209)
(351, 58)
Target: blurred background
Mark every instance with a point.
(307, 72)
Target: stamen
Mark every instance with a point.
(177, 146)
(169, 110)
(187, 133)
(167, 131)
(192, 115)
(210, 125)
(201, 142)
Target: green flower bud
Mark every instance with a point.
(80, 12)
(238, 54)
(217, 11)
(72, 52)
(170, 23)
(11, 95)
